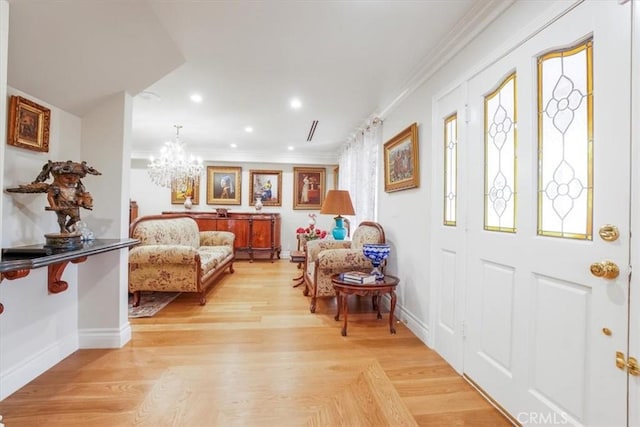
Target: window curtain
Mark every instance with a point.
(359, 169)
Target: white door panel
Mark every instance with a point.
(448, 241)
(534, 313)
(634, 321)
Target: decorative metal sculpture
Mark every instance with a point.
(66, 194)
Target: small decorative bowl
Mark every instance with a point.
(376, 252)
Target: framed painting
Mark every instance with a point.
(192, 189)
(401, 168)
(267, 185)
(308, 188)
(223, 185)
(28, 124)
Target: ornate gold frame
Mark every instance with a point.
(401, 162)
(216, 194)
(28, 124)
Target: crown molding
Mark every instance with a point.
(240, 156)
(473, 23)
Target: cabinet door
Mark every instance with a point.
(261, 233)
(207, 224)
(239, 227)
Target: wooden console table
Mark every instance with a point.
(255, 233)
(19, 261)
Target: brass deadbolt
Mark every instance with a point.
(609, 233)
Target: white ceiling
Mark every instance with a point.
(345, 60)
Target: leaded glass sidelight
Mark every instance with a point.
(565, 142)
(450, 168)
(500, 139)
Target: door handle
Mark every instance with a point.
(605, 269)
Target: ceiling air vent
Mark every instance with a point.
(314, 125)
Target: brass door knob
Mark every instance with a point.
(605, 269)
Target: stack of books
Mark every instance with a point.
(357, 277)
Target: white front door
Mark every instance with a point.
(448, 239)
(549, 132)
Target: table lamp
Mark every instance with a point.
(338, 202)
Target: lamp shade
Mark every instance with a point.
(337, 202)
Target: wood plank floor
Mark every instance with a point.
(254, 356)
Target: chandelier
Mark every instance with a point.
(173, 168)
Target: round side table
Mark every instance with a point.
(387, 285)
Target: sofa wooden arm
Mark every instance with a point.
(164, 254)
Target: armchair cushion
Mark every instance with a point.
(328, 257)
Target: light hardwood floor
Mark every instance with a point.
(254, 356)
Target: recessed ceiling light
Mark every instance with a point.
(233, 145)
(248, 129)
(290, 148)
(196, 98)
(295, 103)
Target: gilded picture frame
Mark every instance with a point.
(224, 185)
(309, 187)
(28, 124)
(401, 161)
(178, 197)
(266, 184)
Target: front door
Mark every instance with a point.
(549, 132)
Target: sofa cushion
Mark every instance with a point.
(173, 231)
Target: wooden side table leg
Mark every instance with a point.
(392, 329)
(345, 312)
(338, 303)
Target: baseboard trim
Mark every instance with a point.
(19, 375)
(104, 337)
(419, 329)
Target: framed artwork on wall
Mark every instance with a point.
(28, 125)
(192, 189)
(267, 185)
(401, 168)
(308, 188)
(223, 185)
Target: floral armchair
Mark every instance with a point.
(328, 257)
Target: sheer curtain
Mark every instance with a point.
(360, 169)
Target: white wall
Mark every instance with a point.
(37, 330)
(407, 215)
(153, 200)
(106, 142)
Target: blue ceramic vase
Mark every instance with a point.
(376, 252)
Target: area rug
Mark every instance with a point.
(150, 303)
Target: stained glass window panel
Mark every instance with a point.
(565, 142)
(500, 139)
(450, 169)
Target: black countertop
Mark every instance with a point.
(35, 256)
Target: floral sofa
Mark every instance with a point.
(175, 256)
(328, 257)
